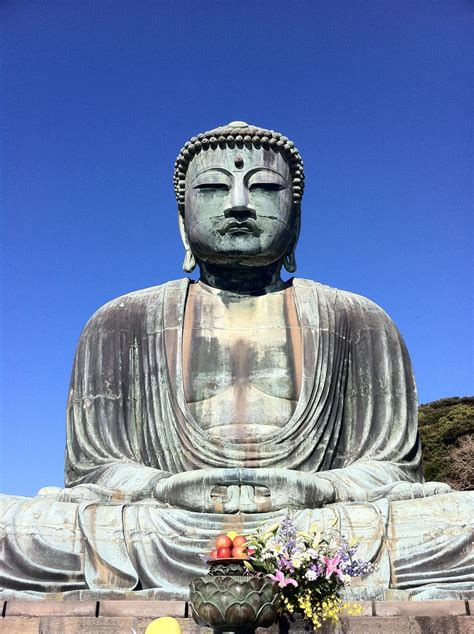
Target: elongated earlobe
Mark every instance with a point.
(289, 262)
(189, 263)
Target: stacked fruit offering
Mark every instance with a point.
(231, 546)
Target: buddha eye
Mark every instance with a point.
(210, 187)
(266, 187)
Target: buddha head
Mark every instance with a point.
(239, 190)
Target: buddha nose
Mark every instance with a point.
(240, 205)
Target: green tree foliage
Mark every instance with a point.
(446, 427)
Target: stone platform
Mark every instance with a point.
(132, 617)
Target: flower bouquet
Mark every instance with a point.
(311, 569)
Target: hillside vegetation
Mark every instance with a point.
(447, 437)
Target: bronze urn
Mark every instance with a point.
(231, 602)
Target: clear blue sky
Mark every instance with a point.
(98, 97)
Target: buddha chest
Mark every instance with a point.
(241, 361)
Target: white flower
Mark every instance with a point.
(297, 561)
(275, 547)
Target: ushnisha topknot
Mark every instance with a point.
(238, 134)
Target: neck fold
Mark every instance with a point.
(243, 280)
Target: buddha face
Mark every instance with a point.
(239, 206)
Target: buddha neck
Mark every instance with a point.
(243, 280)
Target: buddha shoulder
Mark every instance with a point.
(358, 311)
(129, 312)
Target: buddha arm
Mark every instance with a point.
(109, 444)
(370, 446)
(86, 465)
(364, 480)
(378, 444)
(134, 481)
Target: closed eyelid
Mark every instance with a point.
(213, 185)
(267, 186)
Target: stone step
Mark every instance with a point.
(104, 617)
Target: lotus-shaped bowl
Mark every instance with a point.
(234, 603)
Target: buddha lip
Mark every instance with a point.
(238, 227)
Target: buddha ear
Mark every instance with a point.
(289, 260)
(189, 263)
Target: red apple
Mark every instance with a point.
(214, 554)
(224, 553)
(223, 542)
(240, 540)
(239, 552)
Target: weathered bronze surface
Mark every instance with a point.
(201, 407)
(234, 604)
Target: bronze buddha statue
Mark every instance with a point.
(199, 407)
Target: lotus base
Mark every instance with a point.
(233, 604)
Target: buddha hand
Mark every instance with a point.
(244, 490)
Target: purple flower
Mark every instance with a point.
(359, 568)
(317, 569)
(282, 580)
(285, 564)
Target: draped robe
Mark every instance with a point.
(129, 424)
(355, 425)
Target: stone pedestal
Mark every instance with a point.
(52, 616)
